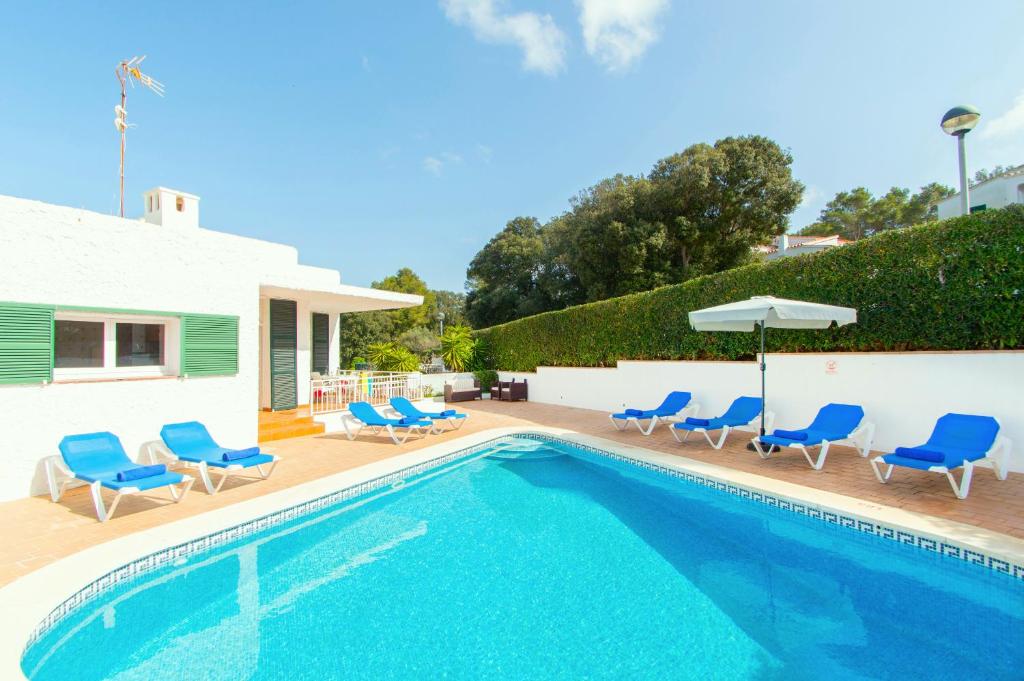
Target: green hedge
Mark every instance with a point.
(951, 285)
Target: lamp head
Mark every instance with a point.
(960, 120)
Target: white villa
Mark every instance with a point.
(125, 325)
(995, 192)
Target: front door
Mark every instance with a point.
(283, 336)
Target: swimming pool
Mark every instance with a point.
(539, 559)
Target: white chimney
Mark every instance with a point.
(171, 208)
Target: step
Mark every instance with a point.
(287, 429)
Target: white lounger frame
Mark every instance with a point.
(59, 476)
(690, 409)
(348, 420)
(157, 452)
(860, 439)
(753, 427)
(997, 458)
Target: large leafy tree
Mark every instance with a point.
(504, 278)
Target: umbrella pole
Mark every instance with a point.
(762, 377)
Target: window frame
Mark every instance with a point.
(110, 370)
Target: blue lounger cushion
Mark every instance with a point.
(365, 412)
(408, 410)
(673, 403)
(99, 457)
(921, 454)
(742, 411)
(236, 454)
(139, 472)
(957, 437)
(191, 442)
(791, 434)
(447, 413)
(698, 422)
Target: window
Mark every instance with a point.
(108, 345)
(77, 344)
(140, 345)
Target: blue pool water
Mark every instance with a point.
(549, 563)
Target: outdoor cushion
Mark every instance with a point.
(698, 422)
(237, 454)
(634, 412)
(141, 472)
(791, 434)
(921, 454)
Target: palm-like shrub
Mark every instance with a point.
(391, 356)
(458, 347)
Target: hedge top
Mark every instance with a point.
(951, 285)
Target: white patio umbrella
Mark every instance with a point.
(768, 311)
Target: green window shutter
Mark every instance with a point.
(283, 343)
(321, 333)
(26, 343)
(209, 345)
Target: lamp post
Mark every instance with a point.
(440, 318)
(959, 121)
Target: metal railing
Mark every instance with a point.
(333, 393)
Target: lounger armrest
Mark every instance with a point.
(155, 452)
(863, 435)
(57, 475)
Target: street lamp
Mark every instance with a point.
(440, 318)
(959, 121)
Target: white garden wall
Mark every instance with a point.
(902, 393)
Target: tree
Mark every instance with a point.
(407, 281)
(503, 277)
(856, 214)
(453, 305)
(419, 340)
(984, 174)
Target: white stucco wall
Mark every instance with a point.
(65, 256)
(902, 393)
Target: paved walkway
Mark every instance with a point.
(37, 532)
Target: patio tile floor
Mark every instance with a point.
(37, 532)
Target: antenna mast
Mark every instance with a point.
(128, 72)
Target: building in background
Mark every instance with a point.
(788, 245)
(113, 324)
(995, 192)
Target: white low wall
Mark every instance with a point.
(902, 393)
(436, 381)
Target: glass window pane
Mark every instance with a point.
(77, 344)
(140, 345)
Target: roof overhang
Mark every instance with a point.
(341, 297)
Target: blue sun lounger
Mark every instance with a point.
(100, 460)
(835, 424)
(958, 441)
(744, 413)
(366, 416)
(675, 407)
(192, 444)
(407, 409)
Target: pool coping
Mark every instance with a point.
(33, 599)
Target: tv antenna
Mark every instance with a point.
(128, 72)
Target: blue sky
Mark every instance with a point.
(386, 134)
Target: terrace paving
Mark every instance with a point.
(37, 532)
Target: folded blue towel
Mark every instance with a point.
(141, 472)
(408, 420)
(447, 412)
(634, 412)
(240, 454)
(920, 454)
(791, 434)
(698, 422)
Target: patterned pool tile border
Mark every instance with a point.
(901, 536)
(161, 558)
